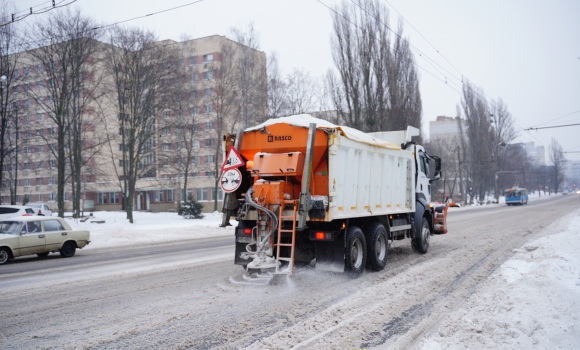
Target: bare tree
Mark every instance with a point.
(140, 70)
(556, 154)
(477, 135)
(251, 79)
(225, 98)
(300, 92)
(10, 53)
(68, 48)
(503, 132)
(404, 98)
(277, 104)
(378, 86)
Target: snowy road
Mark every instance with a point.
(201, 300)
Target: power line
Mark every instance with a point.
(551, 120)
(39, 42)
(553, 126)
(14, 18)
(420, 53)
(404, 19)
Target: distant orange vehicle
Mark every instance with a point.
(314, 190)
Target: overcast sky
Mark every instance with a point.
(526, 52)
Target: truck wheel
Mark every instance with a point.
(420, 244)
(355, 251)
(377, 246)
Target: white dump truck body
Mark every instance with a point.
(368, 180)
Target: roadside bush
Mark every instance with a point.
(190, 209)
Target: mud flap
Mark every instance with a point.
(330, 255)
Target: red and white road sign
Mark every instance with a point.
(231, 179)
(233, 159)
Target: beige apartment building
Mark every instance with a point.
(159, 188)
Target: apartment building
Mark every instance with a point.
(160, 187)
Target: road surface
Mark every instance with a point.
(189, 295)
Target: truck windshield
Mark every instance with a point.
(10, 227)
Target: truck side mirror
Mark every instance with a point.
(437, 173)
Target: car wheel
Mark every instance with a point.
(68, 250)
(43, 255)
(420, 244)
(355, 251)
(4, 256)
(377, 246)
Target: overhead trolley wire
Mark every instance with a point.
(39, 42)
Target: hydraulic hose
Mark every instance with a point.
(268, 212)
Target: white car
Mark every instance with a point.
(39, 235)
(40, 209)
(9, 211)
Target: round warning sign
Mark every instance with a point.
(231, 179)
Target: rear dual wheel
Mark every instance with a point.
(377, 246)
(355, 251)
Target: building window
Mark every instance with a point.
(40, 198)
(52, 164)
(194, 77)
(208, 125)
(52, 180)
(40, 165)
(52, 197)
(181, 194)
(39, 181)
(208, 109)
(166, 114)
(194, 95)
(39, 68)
(27, 71)
(210, 159)
(28, 166)
(27, 182)
(194, 111)
(195, 144)
(166, 147)
(193, 61)
(114, 196)
(39, 132)
(208, 75)
(159, 196)
(208, 92)
(220, 194)
(28, 118)
(165, 131)
(209, 142)
(102, 198)
(28, 149)
(170, 198)
(202, 194)
(39, 85)
(208, 58)
(66, 196)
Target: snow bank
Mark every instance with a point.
(149, 228)
(531, 301)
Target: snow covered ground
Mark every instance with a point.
(149, 228)
(531, 301)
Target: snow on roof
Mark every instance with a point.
(304, 120)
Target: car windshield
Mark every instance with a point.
(10, 227)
